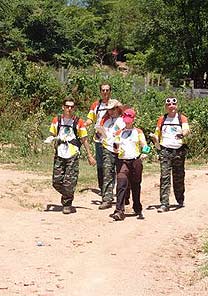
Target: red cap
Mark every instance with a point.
(129, 115)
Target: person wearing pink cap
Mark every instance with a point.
(131, 146)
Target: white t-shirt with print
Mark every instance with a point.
(111, 126)
(171, 127)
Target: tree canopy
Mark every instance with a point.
(166, 36)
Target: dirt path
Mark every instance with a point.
(46, 253)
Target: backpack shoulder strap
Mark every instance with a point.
(179, 118)
(76, 119)
(98, 107)
(163, 120)
(59, 123)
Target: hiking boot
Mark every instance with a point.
(105, 205)
(67, 210)
(112, 215)
(163, 209)
(140, 216)
(118, 216)
(180, 205)
(127, 202)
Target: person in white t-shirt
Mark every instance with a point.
(69, 132)
(95, 115)
(111, 123)
(131, 146)
(170, 132)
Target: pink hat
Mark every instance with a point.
(129, 115)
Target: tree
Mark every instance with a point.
(177, 32)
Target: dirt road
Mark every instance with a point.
(46, 253)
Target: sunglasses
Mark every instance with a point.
(170, 101)
(105, 89)
(68, 106)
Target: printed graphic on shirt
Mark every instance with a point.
(111, 126)
(66, 135)
(129, 142)
(169, 131)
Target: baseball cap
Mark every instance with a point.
(129, 115)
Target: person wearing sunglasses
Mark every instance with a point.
(69, 131)
(95, 115)
(169, 136)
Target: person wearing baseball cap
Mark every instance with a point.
(132, 148)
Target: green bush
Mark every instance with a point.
(30, 95)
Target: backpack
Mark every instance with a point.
(77, 142)
(164, 118)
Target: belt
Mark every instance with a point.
(172, 149)
(130, 158)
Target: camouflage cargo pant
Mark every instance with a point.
(65, 176)
(172, 160)
(109, 173)
(99, 163)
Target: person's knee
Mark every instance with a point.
(122, 181)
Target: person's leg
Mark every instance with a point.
(109, 160)
(178, 177)
(135, 179)
(58, 174)
(70, 180)
(99, 163)
(122, 185)
(127, 195)
(165, 177)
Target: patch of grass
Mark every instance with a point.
(87, 175)
(204, 268)
(41, 162)
(26, 204)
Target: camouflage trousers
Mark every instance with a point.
(109, 173)
(65, 176)
(172, 161)
(99, 163)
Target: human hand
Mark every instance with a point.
(49, 140)
(91, 160)
(179, 136)
(143, 156)
(154, 137)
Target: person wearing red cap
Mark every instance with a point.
(132, 148)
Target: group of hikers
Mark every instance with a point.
(120, 149)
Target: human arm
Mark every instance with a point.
(145, 148)
(185, 130)
(88, 122)
(155, 140)
(90, 157)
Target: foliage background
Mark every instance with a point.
(38, 39)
